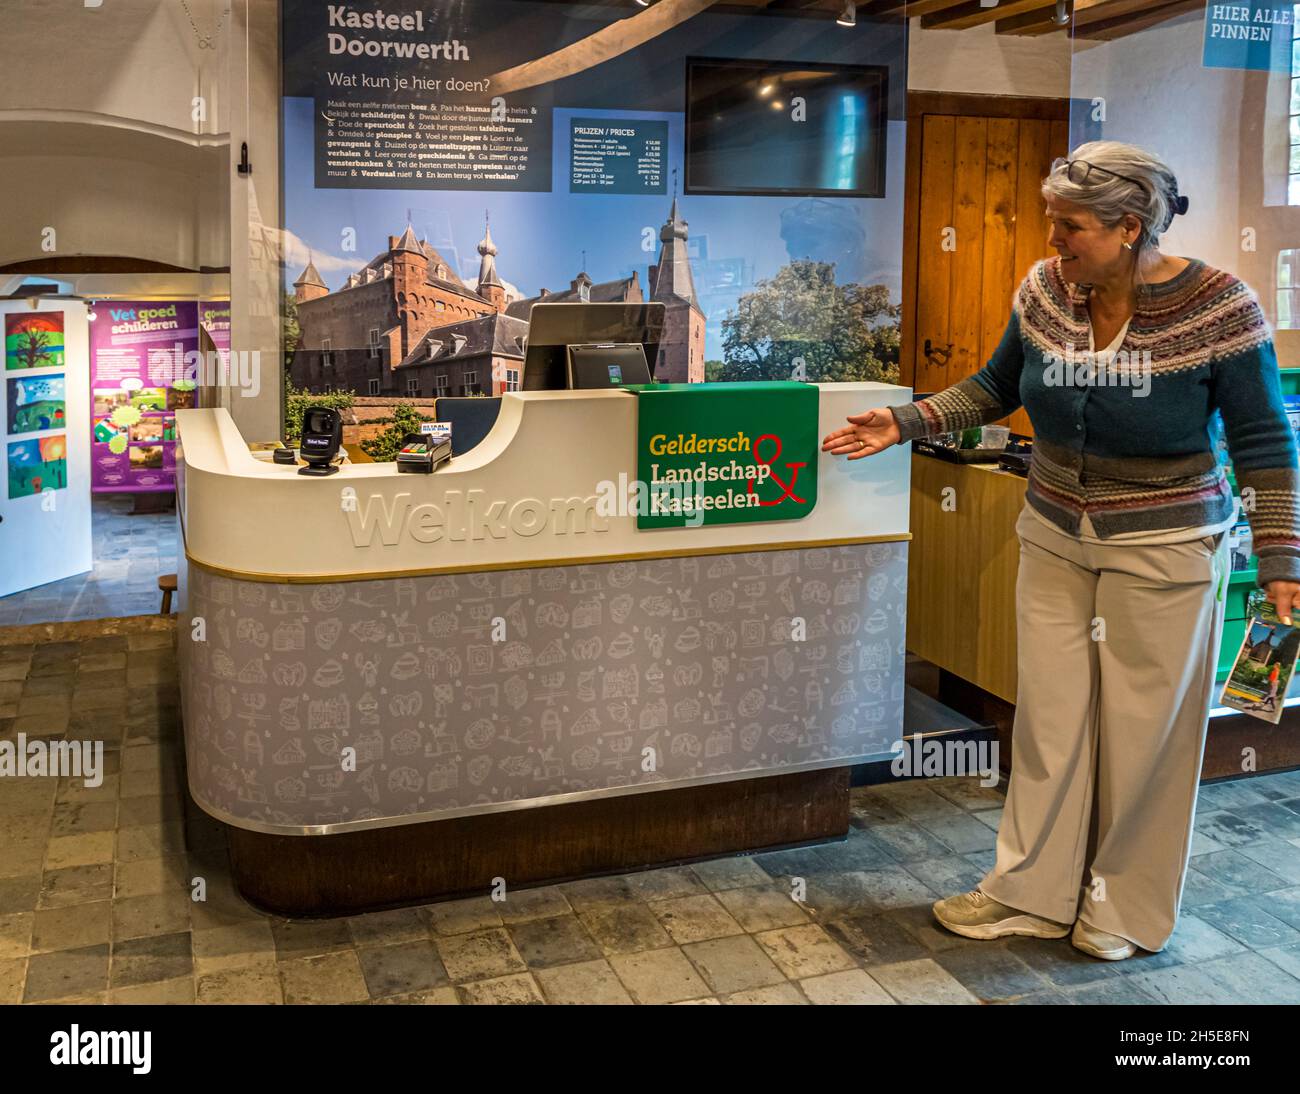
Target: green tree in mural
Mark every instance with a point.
(383, 448)
(839, 332)
(290, 331)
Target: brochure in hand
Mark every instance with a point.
(1260, 675)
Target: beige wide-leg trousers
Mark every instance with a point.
(1117, 653)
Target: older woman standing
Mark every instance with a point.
(1119, 595)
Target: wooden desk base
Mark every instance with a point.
(961, 575)
(438, 860)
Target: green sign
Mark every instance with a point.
(725, 453)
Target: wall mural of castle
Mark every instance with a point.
(405, 324)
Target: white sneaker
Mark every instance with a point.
(976, 915)
(1108, 947)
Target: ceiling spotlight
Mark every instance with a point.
(644, 3)
(1060, 17)
(848, 14)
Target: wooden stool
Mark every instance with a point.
(167, 583)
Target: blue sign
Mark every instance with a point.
(1249, 35)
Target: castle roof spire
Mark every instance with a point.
(487, 268)
(408, 242)
(672, 275)
(310, 276)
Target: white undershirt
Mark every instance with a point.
(1087, 533)
(1110, 350)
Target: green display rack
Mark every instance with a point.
(1242, 582)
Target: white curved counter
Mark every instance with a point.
(546, 456)
(375, 649)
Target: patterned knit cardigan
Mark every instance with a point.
(1134, 445)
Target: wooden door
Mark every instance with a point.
(975, 225)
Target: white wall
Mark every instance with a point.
(1157, 95)
(979, 61)
(127, 153)
(126, 58)
(109, 204)
(256, 238)
(112, 130)
(46, 537)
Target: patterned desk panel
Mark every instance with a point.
(466, 693)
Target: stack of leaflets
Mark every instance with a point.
(1240, 545)
(1292, 404)
(439, 431)
(1262, 672)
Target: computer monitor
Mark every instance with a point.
(740, 140)
(611, 366)
(553, 328)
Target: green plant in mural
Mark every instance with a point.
(383, 448)
(290, 331)
(800, 324)
(296, 402)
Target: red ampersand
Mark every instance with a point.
(786, 488)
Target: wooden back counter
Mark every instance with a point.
(961, 598)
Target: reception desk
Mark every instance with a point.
(400, 687)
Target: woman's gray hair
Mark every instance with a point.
(1153, 198)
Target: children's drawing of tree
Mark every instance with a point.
(33, 348)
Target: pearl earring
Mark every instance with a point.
(1127, 245)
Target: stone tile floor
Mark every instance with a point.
(131, 551)
(95, 895)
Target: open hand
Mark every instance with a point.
(866, 434)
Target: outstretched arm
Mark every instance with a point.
(990, 394)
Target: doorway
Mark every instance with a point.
(973, 225)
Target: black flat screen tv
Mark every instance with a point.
(781, 128)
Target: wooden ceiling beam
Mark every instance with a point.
(901, 7)
(600, 46)
(1099, 11)
(1031, 23)
(881, 7)
(972, 13)
(791, 5)
(1121, 26)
